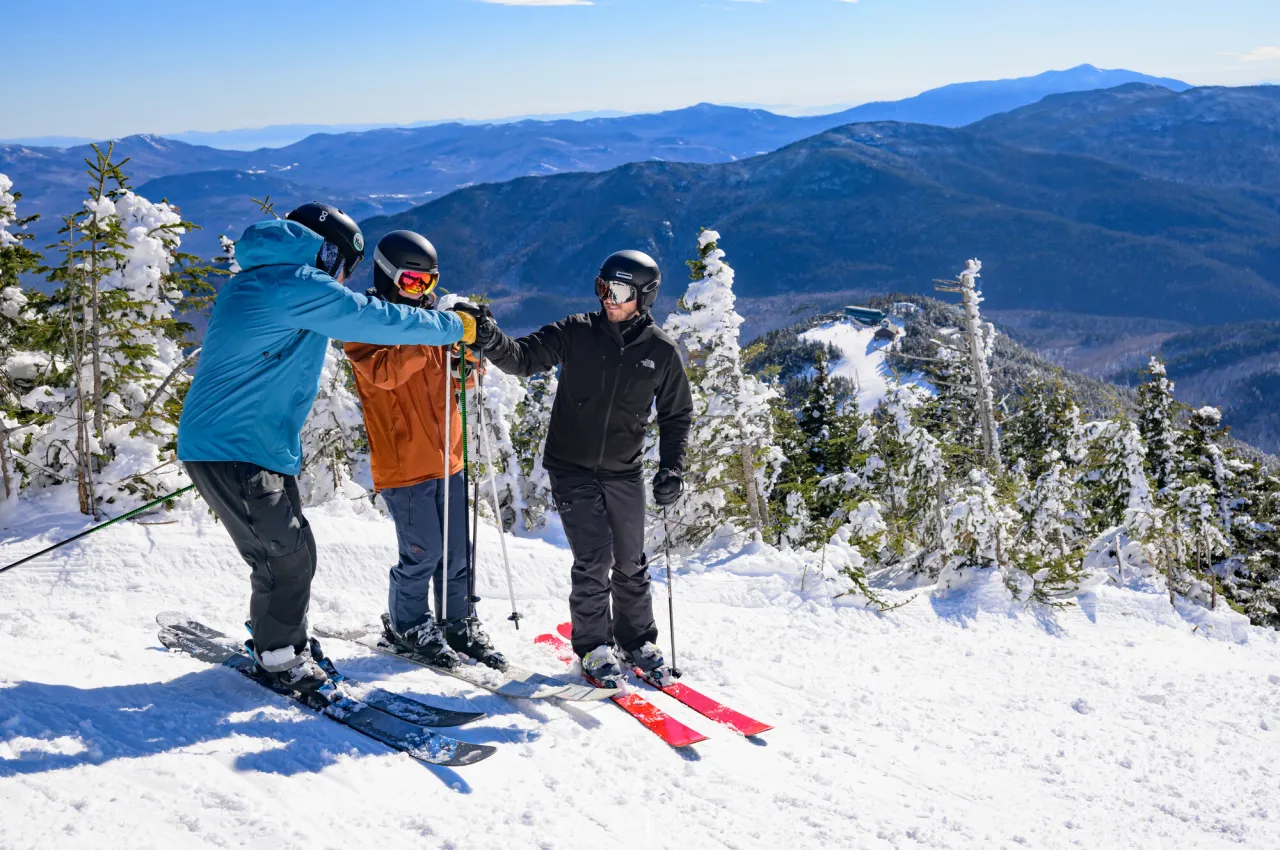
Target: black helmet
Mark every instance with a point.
(343, 242)
(403, 251)
(634, 268)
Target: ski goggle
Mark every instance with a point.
(416, 282)
(614, 291)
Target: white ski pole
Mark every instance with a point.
(448, 394)
(493, 480)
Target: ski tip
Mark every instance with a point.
(171, 619)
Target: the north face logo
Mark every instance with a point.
(648, 364)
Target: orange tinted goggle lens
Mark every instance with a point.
(417, 283)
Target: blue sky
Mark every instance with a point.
(87, 68)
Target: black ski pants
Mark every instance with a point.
(262, 511)
(604, 521)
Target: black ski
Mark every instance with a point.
(412, 710)
(413, 740)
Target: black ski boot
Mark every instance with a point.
(424, 640)
(469, 639)
(295, 670)
(648, 658)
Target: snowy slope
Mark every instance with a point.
(949, 723)
(862, 362)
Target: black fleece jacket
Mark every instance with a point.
(607, 389)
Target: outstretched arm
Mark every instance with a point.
(313, 301)
(386, 366)
(540, 351)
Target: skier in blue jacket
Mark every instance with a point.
(259, 372)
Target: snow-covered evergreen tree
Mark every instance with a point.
(529, 437)
(976, 530)
(1157, 409)
(1122, 515)
(906, 473)
(1205, 461)
(17, 321)
(503, 395)
(731, 453)
(1045, 424)
(109, 396)
(334, 441)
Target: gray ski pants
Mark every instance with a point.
(262, 512)
(604, 521)
(418, 512)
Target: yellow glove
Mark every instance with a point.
(468, 327)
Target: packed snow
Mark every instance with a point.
(862, 360)
(958, 720)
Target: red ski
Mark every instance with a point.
(654, 719)
(700, 703)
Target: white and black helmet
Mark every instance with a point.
(635, 269)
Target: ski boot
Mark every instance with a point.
(295, 670)
(424, 641)
(648, 658)
(467, 638)
(601, 664)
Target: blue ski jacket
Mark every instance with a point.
(264, 349)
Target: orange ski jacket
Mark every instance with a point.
(402, 391)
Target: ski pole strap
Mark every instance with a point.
(98, 527)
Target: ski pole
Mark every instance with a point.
(98, 527)
(448, 456)
(493, 479)
(671, 605)
(469, 506)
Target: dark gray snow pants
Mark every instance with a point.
(262, 511)
(604, 522)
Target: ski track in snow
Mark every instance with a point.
(862, 361)
(955, 723)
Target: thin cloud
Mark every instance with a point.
(1258, 54)
(543, 2)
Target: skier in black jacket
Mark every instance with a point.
(614, 365)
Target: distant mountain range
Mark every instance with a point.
(395, 168)
(877, 207)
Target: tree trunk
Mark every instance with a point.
(4, 461)
(749, 482)
(96, 341)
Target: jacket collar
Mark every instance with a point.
(612, 330)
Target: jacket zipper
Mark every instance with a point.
(608, 412)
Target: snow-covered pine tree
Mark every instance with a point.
(108, 401)
(1205, 460)
(731, 454)
(503, 395)
(528, 437)
(818, 415)
(334, 441)
(1045, 423)
(976, 530)
(1255, 585)
(17, 317)
(1122, 515)
(906, 473)
(1157, 410)
(1049, 548)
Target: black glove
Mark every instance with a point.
(486, 325)
(667, 487)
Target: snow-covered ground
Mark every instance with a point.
(952, 722)
(862, 361)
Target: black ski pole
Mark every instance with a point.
(98, 527)
(671, 605)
